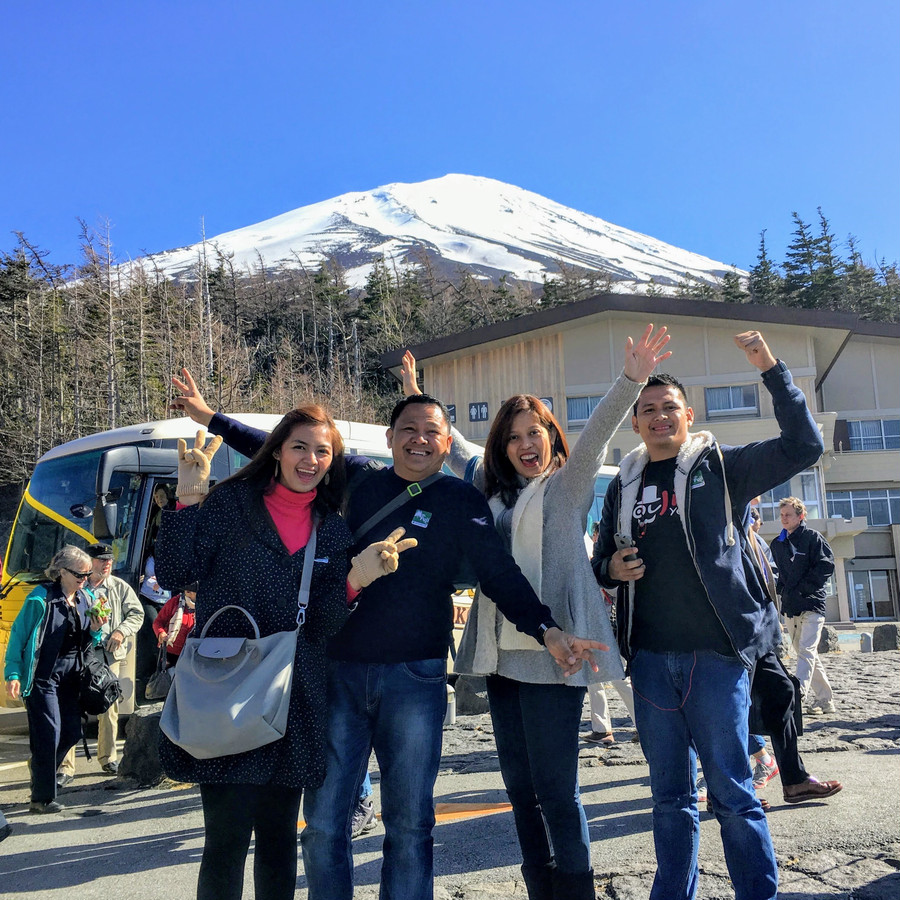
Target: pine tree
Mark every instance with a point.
(732, 288)
(765, 282)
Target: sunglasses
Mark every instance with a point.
(79, 575)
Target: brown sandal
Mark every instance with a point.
(812, 790)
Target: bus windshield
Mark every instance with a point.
(67, 487)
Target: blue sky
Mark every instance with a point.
(697, 122)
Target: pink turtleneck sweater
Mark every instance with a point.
(292, 514)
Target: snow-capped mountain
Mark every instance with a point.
(465, 221)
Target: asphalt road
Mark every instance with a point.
(117, 840)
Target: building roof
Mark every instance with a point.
(834, 329)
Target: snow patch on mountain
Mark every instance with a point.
(461, 220)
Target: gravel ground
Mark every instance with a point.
(847, 847)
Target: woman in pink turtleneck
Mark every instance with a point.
(245, 545)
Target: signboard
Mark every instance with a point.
(548, 402)
(451, 409)
(478, 412)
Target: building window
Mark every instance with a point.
(805, 486)
(734, 400)
(880, 507)
(579, 409)
(872, 594)
(874, 434)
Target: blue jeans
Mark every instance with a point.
(397, 710)
(536, 731)
(697, 703)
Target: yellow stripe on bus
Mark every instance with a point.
(51, 514)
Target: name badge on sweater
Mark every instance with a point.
(421, 518)
(697, 480)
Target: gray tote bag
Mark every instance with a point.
(231, 694)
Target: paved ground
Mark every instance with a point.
(117, 840)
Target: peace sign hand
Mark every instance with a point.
(194, 468)
(380, 558)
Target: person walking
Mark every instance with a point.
(126, 616)
(805, 563)
(43, 666)
(693, 616)
(540, 493)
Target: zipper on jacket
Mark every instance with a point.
(692, 546)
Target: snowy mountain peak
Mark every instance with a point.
(464, 221)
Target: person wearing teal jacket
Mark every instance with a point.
(43, 662)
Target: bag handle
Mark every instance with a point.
(218, 612)
(411, 490)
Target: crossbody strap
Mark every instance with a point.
(309, 558)
(411, 491)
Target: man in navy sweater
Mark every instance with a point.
(387, 671)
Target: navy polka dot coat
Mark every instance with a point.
(229, 544)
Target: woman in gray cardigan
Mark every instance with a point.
(540, 495)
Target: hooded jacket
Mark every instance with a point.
(805, 562)
(714, 485)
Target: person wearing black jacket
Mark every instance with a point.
(805, 563)
(387, 670)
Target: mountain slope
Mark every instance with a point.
(457, 221)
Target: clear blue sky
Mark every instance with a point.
(696, 121)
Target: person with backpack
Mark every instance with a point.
(58, 625)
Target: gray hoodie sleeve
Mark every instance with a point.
(572, 485)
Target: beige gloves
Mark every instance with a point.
(193, 468)
(380, 558)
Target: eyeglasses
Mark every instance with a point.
(79, 575)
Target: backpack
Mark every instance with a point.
(99, 687)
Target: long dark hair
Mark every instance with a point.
(500, 476)
(259, 472)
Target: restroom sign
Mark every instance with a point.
(478, 412)
(451, 411)
(548, 402)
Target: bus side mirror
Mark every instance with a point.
(105, 515)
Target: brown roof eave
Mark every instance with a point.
(658, 307)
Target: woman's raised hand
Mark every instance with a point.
(644, 356)
(191, 400)
(194, 468)
(380, 558)
(408, 374)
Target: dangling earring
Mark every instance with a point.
(327, 478)
(277, 469)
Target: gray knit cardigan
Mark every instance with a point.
(568, 585)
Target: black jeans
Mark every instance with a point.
(772, 694)
(231, 813)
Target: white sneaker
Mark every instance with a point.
(702, 790)
(763, 773)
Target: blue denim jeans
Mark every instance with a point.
(397, 710)
(536, 731)
(697, 703)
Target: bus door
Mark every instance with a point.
(126, 516)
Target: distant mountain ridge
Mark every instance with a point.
(457, 221)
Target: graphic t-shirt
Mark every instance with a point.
(671, 608)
